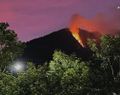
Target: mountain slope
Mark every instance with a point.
(41, 49)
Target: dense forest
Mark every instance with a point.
(64, 74)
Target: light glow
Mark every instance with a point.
(17, 67)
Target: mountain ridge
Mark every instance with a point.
(41, 49)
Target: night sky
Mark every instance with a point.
(34, 18)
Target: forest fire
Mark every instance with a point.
(78, 38)
(78, 22)
(74, 29)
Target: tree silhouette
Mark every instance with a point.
(10, 47)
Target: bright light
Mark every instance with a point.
(17, 67)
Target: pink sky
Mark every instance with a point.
(34, 18)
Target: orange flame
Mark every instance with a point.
(77, 37)
(99, 25)
(74, 29)
(78, 22)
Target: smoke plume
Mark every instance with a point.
(100, 23)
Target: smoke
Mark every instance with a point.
(78, 22)
(107, 24)
(100, 23)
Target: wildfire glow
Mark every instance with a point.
(78, 22)
(77, 37)
(74, 29)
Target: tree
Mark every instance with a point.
(64, 74)
(32, 81)
(8, 84)
(105, 65)
(67, 75)
(29, 82)
(10, 47)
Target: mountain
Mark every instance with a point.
(41, 49)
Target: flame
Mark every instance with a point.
(99, 25)
(74, 29)
(78, 22)
(77, 37)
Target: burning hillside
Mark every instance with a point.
(78, 23)
(74, 29)
(70, 41)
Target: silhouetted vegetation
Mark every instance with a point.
(10, 46)
(64, 74)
